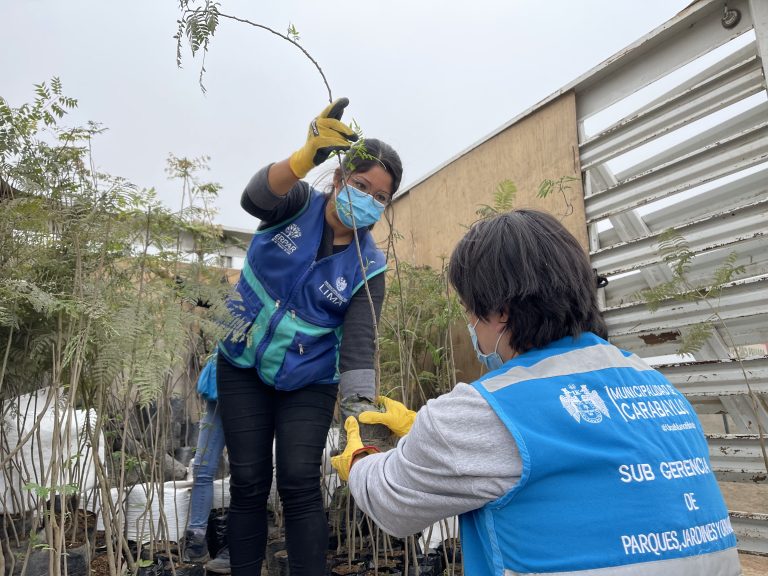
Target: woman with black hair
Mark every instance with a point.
(302, 331)
(569, 455)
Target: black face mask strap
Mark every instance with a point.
(600, 280)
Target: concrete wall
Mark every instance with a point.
(429, 218)
(432, 216)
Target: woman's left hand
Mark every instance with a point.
(343, 462)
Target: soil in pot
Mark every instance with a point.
(388, 563)
(357, 566)
(421, 571)
(100, 565)
(79, 531)
(384, 572)
(185, 570)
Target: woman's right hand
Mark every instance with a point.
(327, 134)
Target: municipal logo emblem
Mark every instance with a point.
(341, 284)
(285, 239)
(293, 231)
(584, 404)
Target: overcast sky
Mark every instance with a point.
(430, 77)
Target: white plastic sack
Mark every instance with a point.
(30, 465)
(329, 477)
(144, 504)
(221, 493)
(117, 497)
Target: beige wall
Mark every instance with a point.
(432, 216)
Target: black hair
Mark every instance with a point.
(370, 152)
(526, 264)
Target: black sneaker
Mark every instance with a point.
(195, 547)
(220, 564)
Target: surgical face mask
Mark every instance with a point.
(491, 361)
(366, 209)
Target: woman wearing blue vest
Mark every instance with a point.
(569, 455)
(303, 331)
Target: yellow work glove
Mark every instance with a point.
(343, 462)
(397, 417)
(327, 133)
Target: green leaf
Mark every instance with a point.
(695, 337)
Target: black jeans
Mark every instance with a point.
(253, 414)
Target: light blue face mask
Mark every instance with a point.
(367, 210)
(491, 361)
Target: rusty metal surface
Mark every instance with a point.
(738, 457)
(751, 531)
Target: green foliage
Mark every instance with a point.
(357, 152)
(549, 186)
(674, 250)
(726, 273)
(98, 303)
(293, 34)
(694, 338)
(45, 492)
(39, 491)
(95, 293)
(356, 128)
(505, 196)
(676, 253)
(503, 200)
(415, 335)
(197, 25)
(560, 186)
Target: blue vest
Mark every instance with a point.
(615, 468)
(288, 320)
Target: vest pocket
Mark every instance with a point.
(243, 313)
(308, 360)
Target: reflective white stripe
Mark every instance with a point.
(723, 563)
(587, 359)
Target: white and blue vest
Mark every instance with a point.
(616, 474)
(287, 322)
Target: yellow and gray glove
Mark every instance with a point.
(371, 435)
(397, 417)
(343, 462)
(327, 134)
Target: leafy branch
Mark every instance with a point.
(561, 186)
(676, 253)
(503, 200)
(199, 24)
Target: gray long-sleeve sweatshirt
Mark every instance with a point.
(457, 457)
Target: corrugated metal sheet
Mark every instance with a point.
(710, 161)
(711, 188)
(751, 531)
(725, 83)
(731, 227)
(699, 380)
(737, 457)
(728, 196)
